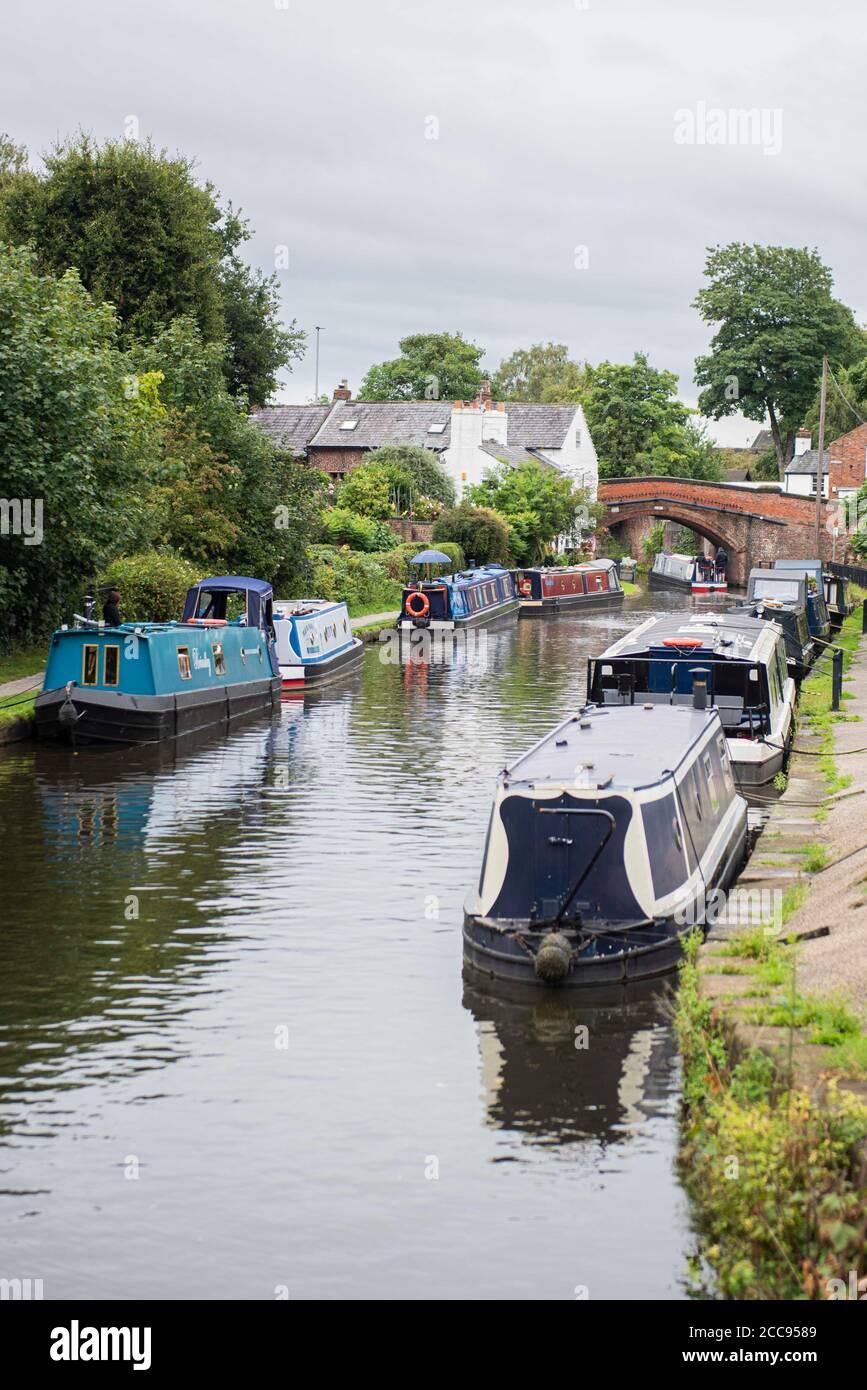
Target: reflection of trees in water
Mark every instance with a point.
(88, 831)
(537, 1082)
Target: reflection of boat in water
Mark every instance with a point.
(557, 1069)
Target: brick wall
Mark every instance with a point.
(846, 460)
(335, 461)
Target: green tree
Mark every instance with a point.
(776, 319)
(368, 491)
(76, 444)
(539, 504)
(431, 366)
(543, 372)
(271, 502)
(482, 534)
(640, 427)
(846, 405)
(421, 466)
(144, 235)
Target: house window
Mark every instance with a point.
(219, 659)
(111, 666)
(184, 663)
(348, 424)
(90, 666)
(577, 439)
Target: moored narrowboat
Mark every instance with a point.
(592, 584)
(314, 643)
(467, 599)
(143, 682)
(818, 619)
(837, 600)
(780, 599)
(603, 842)
(696, 573)
(739, 660)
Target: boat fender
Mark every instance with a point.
(553, 958)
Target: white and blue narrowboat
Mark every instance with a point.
(314, 642)
(740, 660)
(467, 599)
(603, 844)
(696, 573)
(593, 584)
(144, 682)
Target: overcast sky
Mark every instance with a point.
(555, 127)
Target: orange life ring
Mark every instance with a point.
(684, 642)
(420, 612)
(525, 587)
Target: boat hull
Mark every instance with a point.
(485, 615)
(665, 581)
(111, 718)
(317, 675)
(503, 950)
(557, 603)
(709, 587)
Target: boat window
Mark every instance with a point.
(184, 663)
(90, 665)
(612, 579)
(219, 659)
(711, 783)
(111, 666)
(775, 588)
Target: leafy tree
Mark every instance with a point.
(539, 504)
(846, 405)
(423, 468)
(270, 501)
(639, 426)
(432, 366)
(776, 319)
(543, 372)
(74, 441)
(368, 491)
(144, 235)
(482, 534)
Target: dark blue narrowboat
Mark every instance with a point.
(818, 619)
(467, 599)
(548, 589)
(145, 682)
(603, 843)
(837, 600)
(782, 599)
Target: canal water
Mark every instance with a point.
(238, 1058)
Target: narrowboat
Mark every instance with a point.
(742, 663)
(782, 601)
(818, 619)
(592, 584)
(142, 682)
(466, 599)
(627, 569)
(837, 600)
(603, 842)
(314, 643)
(696, 573)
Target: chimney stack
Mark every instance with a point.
(803, 441)
(342, 392)
(485, 397)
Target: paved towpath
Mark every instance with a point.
(371, 619)
(18, 687)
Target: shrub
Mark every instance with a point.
(481, 533)
(152, 585)
(355, 578)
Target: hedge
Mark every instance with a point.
(152, 585)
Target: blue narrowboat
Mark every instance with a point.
(603, 843)
(782, 599)
(837, 600)
(818, 618)
(467, 599)
(144, 682)
(314, 643)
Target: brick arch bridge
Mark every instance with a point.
(756, 523)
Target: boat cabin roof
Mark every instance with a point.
(585, 567)
(729, 636)
(465, 578)
(812, 567)
(613, 746)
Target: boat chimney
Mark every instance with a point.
(699, 686)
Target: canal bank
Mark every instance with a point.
(771, 1017)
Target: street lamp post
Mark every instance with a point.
(316, 389)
